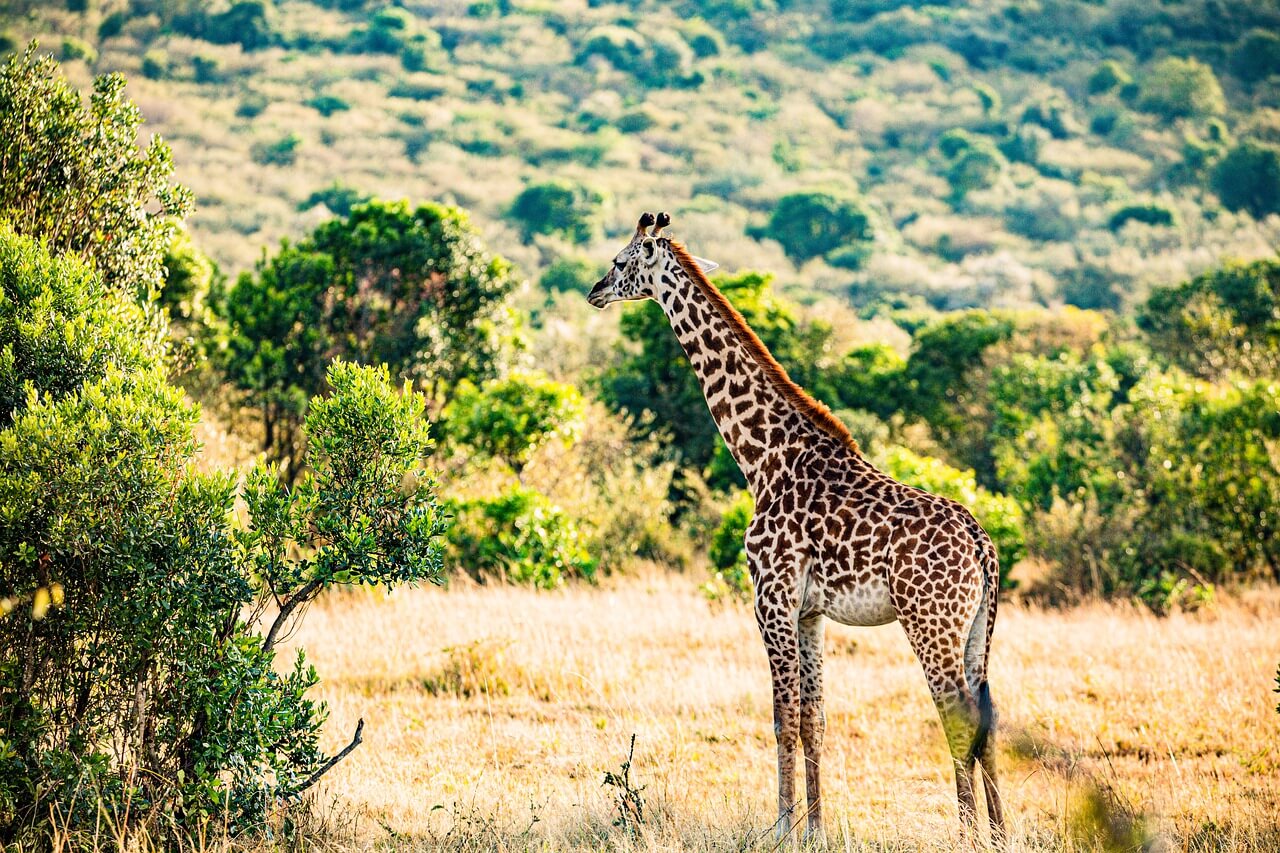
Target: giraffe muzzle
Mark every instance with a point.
(599, 296)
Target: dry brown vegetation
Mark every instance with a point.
(492, 715)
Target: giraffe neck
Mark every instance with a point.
(756, 418)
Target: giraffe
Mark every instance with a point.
(831, 537)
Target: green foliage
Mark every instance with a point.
(1148, 214)
(510, 418)
(339, 198)
(1257, 56)
(155, 65)
(327, 105)
(1248, 178)
(1225, 320)
(569, 275)
(999, 515)
(557, 207)
(1178, 88)
(811, 224)
(1107, 77)
(976, 167)
(189, 276)
(410, 288)
(248, 23)
(731, 577)
(655, 57)
(518, 537)
(131, 664)
(75, 48)
(76, 178)
(282, 152)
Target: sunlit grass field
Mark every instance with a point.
(492, 715)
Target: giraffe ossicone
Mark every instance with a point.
(832, 536)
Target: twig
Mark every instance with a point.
(356, 740)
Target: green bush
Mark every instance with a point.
(338, 197)
(1148, 214)
(135, 684)
(569, 275)
(731, 577)
(74, 48)
(247, 23)
(282, 152)
(811, 224)
(358, 288)
(1248, 178)
(1107, 77)
(977, 167)
(510, 418)
(656, 58)
(327, 105)
(1257, 56)
(76, 176)
(155, 65)
(557, 207)
(1178, 88)
(518, 537)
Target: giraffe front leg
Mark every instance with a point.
(776, 617)
(813, 722)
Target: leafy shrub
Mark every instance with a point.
(1055, 116)
(131, 664)
(252, 105)
(337, 197)
(112, 25)
(999, 515)
(509, 418)
(654, 58)
(74, 48)
(811, 224)
(155, 65)
(205, 69)
(978, 166)
(557, 207)
(412, 288)
(1222, 321)
(282, 152)
(519, 537)
(189, 276)
(1248, 178)
(76, 177)
(731, 577)
(327, 105)
(1257, 56)
(1108, 76)
(1177, 88)
(1148, 214)
(247, 23)
(569, 275)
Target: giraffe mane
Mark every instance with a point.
(815, 411)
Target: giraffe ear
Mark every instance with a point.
(650, 250)
(705, 265)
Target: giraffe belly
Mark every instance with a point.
(864, 603)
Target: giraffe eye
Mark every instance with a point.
(619, 263)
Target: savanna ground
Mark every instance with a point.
(492, 715)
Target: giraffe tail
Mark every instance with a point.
(978, 648)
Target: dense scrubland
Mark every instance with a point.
(326, 330)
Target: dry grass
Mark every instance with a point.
(493, 714)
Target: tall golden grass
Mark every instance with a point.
(492, 715)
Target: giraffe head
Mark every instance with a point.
(637, 270)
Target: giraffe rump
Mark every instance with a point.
(817, 412)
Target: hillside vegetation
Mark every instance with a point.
(993, 153)
(1025, 253)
